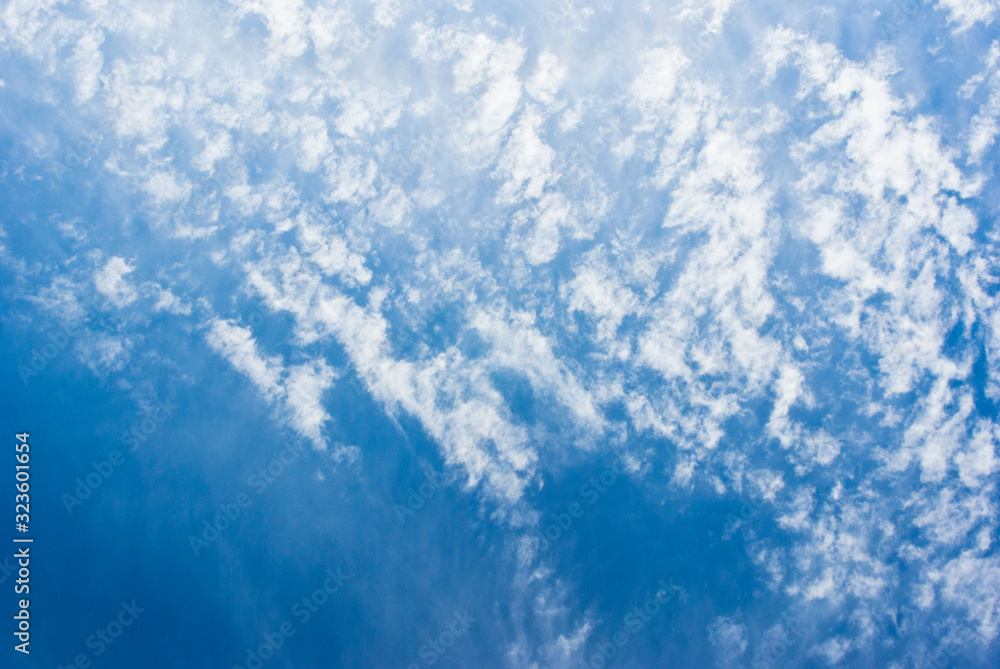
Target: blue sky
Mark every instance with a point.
(372, 334)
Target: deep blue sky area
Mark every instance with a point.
(472, 334)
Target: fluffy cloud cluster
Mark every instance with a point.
(778, 290)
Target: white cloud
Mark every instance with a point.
(713, 12)
(655, 85)
(729, 637)
(169, 302)
(973, 583)
(330, 251)
(526, 161)
(295, 391)
(547, 78)
(484, 64)
(111, 282)
(965, 13)
(682, 266)
(88, 61)
(517, 344)
(304, 390)
(393, 208)
(595, 290)
(984, 125)
(167, 188)
(237, 345)
(452, 397)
